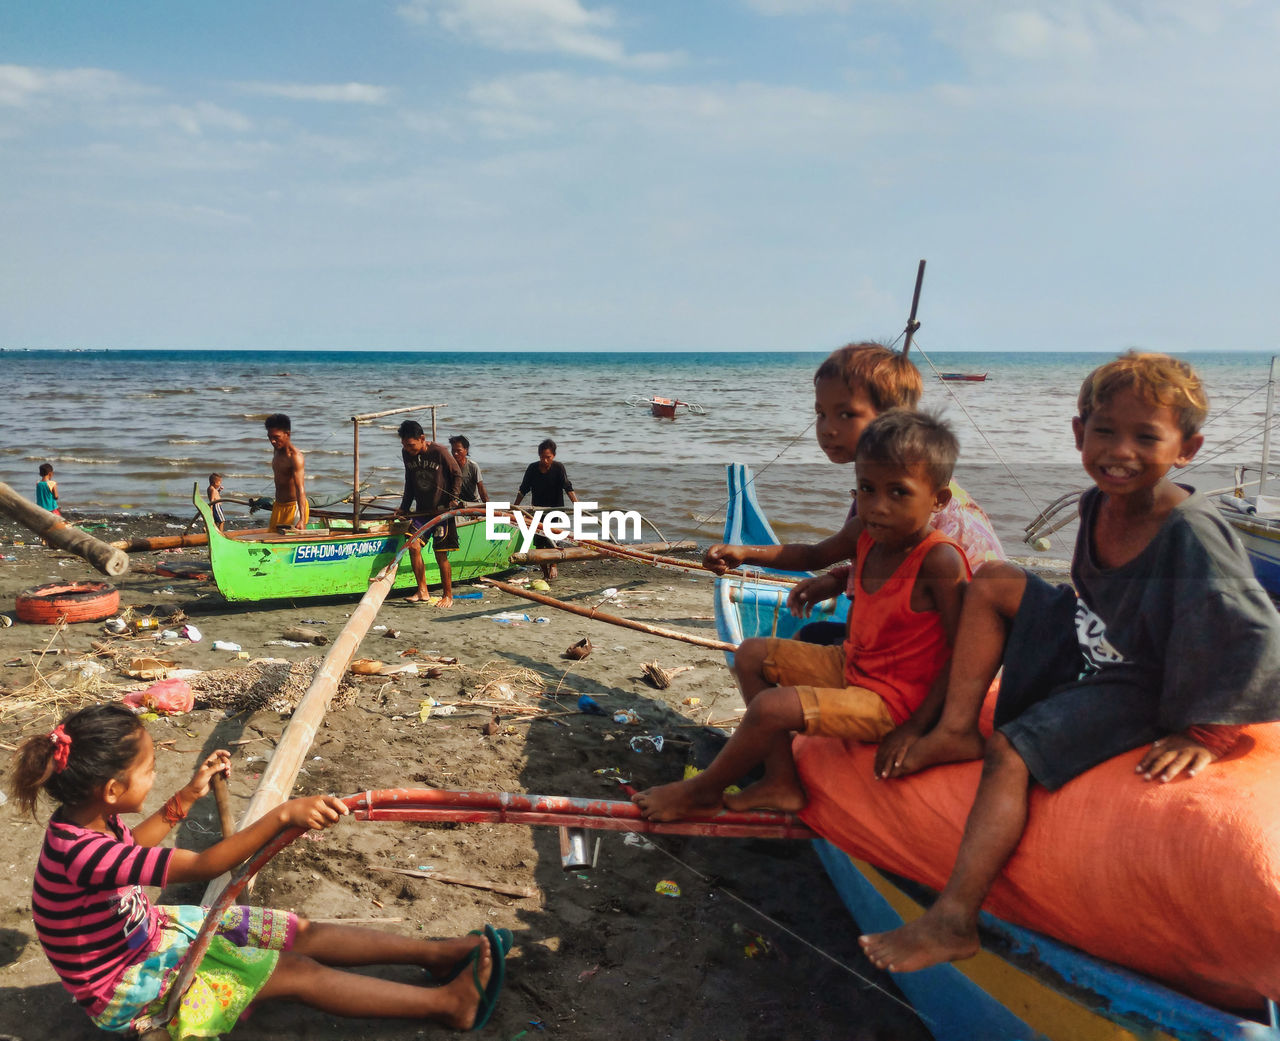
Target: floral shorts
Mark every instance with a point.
(237, 965)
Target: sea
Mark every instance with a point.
(135, 431)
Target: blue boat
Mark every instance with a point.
(1022, 985)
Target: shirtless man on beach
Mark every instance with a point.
(290, 509)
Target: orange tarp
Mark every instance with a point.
(1180, 881)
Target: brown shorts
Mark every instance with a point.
(831, 707)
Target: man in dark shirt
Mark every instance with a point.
(549, 483)
(432, 481)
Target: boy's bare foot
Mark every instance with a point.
(461, 998)
(767, 794)
(931, 939)
(675, 801)
(552, 573)
(444, 601)
(940, 746)
(420, 597)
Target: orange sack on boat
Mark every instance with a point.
(1180, 881)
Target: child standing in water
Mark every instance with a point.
(47, 490)
(215, 501)
(117, 953)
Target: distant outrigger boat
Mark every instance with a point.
(665, 408)
(254, 565)
(962, 377)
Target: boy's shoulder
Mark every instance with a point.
(1194, 542)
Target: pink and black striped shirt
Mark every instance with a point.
(91, 915)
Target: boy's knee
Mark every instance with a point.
(774, 707)
(749, 656)
(999, 585)
(1001, 755)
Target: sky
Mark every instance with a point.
(639, 175)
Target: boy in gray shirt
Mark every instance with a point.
(1167, 639)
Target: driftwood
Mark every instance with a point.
(457, 880)
(612, 619)
(57, 532)
(143, 545)
(551, 556)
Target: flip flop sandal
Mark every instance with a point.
(489, 993)
(505, 938)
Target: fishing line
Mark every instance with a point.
(706, 879)
(981, 433)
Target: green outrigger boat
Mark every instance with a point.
(256, 564)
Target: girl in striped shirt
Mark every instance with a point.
(117, 953)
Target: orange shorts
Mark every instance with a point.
(831, 707)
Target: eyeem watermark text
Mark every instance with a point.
(583, 523)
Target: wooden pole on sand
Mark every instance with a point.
(57, 532)
(611, 619)
(281, 772)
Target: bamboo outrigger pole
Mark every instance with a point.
(281, 772)
(57, 532)
(612, 619)
(912, 324)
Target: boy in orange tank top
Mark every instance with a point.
(886, 682)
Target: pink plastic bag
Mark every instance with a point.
(171, 697)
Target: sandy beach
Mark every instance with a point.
(755, 946)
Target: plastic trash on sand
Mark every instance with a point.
(627, 715)
(171, 697)
(646, 743)
(225, 645)
(667, 887)
(590, 706)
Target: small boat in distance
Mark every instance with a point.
(665, 408)
(962, 377)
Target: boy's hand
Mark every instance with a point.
(217, 763)
(1171, 755)
(721, 558)
(810, 591)
(893, 747)
(315, 812)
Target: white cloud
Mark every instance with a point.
(537, 26)
(24, 85)
(347, 93)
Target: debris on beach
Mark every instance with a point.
(264, 683)
(301, 634)
(578, 651)
(660, 677)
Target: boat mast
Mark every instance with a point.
(355, 464)
(912, 324)
(1266, 429)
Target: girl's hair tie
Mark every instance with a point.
(61, 748)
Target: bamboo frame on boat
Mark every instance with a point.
(355, 449)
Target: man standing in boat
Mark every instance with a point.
(290, 510)
(432, 482)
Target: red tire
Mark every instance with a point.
(72, 601)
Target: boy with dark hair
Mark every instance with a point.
(549, 483)
(472, 490)
(214, 496)
(851, 388)
(431, 484)
(290, 509)
(47, 490)
(1167, 639)
(909, 580)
